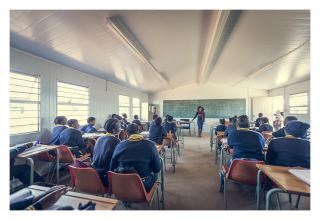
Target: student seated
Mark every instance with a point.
(136, 120)
(156, 131)
(21, 172)
(124, 119)
(89, 128)
(137, 154)
(221, 126)
(104, 148)
(244, 142)
(60, 124)
(265, 126)
(258, 120)
(281, 132)
(231, 126)
(72, 138)
(290, 150)
(170, 125)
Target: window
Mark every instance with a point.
(24, 103)
(277, 104)
(73, 102)
(298, 103)
(124, 105)
(135, 107)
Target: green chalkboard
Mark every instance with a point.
(214, 108)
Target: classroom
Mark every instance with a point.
(159, 110)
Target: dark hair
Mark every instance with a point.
(136, 117)
(260, 115)
(169, 118)
(112, 124)
(60, 120)
(118, 117)
(222, 121)
(154, 116)
(198, 109)
(264, 120)
(72, 122)
(243, 121)
(90, 119)
(158, 121)
(124, 115)
(132, 129)
(289, 118)
(113, 115)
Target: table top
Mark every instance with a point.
(92, 135)
(74, 198)
(36, 150)
(145, 134)
(284, 179)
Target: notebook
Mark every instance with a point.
(304, 175)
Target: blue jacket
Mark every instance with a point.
(56, 131)
(289, 152)
(157, 133)
(220, 128)
(170, 126)
(88, 128)
(136, 121)
(72, 137)
(265, 127)
(246, 144)
(281, 133)
(14, 151)
(142, 155)
(230, 129)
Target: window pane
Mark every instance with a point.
(298, 103)
(135, 107)
(24, 103)
(124, 105)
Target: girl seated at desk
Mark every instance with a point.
(156, 131)
(60, 124)
(265, 126)
(89, 128)
(170, 126)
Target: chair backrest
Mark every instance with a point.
(65, 155)
(45, 156)
(123, 135)
(87, 180)
(127, 187)
(244, 171)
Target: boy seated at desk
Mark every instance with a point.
(170, 126)
(281, 132)
(244, 142)
(156, 131)
(89, 128)
(265, 126)
(21, 172)
(137, 155)
(221, 127)
(104, 148)
(138, 122)
(291, 150)
(231, 126)
(72, 138)
(60, 124)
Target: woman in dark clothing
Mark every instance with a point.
(200, 115)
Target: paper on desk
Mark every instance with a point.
(304, 175)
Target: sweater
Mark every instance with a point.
(88, 128)
(72, 137)
(157, 133)
(170, 126)
(56, 131)
(220, 128)
(265, 127)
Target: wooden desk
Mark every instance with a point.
(74, 198)
(34, 151)
(285, 181)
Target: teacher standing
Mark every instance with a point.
(200, 115)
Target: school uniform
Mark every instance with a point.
(102, 154)
(170, 126)
(279, 133)
(220, 128)
(265, 127)
(139, 154)
(72, 138)
(258, 122)
(88, 129)
(157, 133)
(230, 129)
(136, 121)
(246, 144)
(56, 131)
(289, 151)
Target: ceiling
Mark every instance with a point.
(177, 41)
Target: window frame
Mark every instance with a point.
(133, 107)
(129, 106)
(308, 104)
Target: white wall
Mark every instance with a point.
(206, 91)
(286, 91)
(102, 102)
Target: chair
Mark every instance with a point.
(219, 136)
(242, 171)
(185, 124)
(169, 141)
(87, 180)
(46, 157)
(267, 135)
(129, 188)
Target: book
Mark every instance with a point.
(303, 175)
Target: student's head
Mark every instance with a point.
(200, 108)
(169, 118)
(136, 117)
(289, 118)
(222, 121)
(124, 115)
(264, 120)
(132, 129)
(112, 126)
(296, 128)
(118, 117)
(260, 115)
(154, 116)
(73, 123)
(60, 120)
(243, 121)
(158, 121)
(230, 120)
(91, 120)
(114, 116)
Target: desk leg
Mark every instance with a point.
(269, 194)
(211, 138)
(162, 182)
(31, 164)
(58, 164)
(221, 157)
(258, 189)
